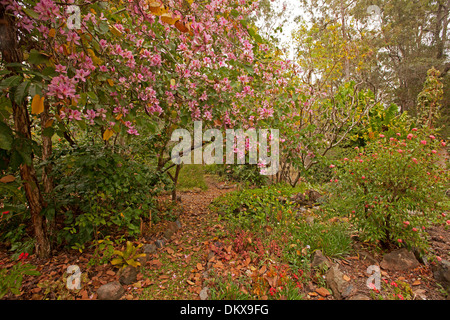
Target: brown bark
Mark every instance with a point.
(11, 53)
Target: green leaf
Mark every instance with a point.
(6, 137)
(36, 57)
(10, 82)
(21, 92)
(31, 13)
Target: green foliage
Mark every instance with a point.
(248, 174)
(429, 99)
(103, 250)
(11, 279)
(191, 176)
(256, 208)
(128, 256)
(380, 120)
(227, 289)
(392, 189)
(97, 189)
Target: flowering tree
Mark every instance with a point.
(115, 67)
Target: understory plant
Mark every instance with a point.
(392, 189)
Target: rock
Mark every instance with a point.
(399, 260)
(335, 281)
(110, 291)
(441, 272)
(143, 260)
(168, 233)
(348, 291)
(178, 224)
(313, 196)
(309, 198)
(149, 248)
(204, 294)
(310, 220)
(419, 294)
(160, 243)
(128, 275)
(359, 296)
(319, 260)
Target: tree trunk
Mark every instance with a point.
(12, 53)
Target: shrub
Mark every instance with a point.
(391, 189)
(97, 189)
(246, 173)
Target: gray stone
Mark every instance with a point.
(348, 291)
(319, 260)
(169, 233)
(160, 243)
(204, 294)
(337, 284)
(178, 224)
(128, 275)
(110, 291)
(359, 296)
(441, 272)
(399, 260)
(149, 248)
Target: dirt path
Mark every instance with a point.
(176, 271)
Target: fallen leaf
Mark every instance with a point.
(323, 292)
(170, 250)
(416, 283)
(263, 269)
(111, 273)
(190, 282)
(199, 266)
(346, 277)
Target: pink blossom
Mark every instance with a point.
(414, 160)
(432, 137)
(414, 229)
(414, 129)
(410, 136)
(332, 166)
(382, 136)
(62, 87)
(423, 142)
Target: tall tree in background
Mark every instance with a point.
(410, 39)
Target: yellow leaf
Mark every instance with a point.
(119, 117)
(110, 82)
(172, 82)
(107, 134)
(37, 104)
(52, 33)
(115, 31)
(48, 123)
(169, 18)
(157, 8)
